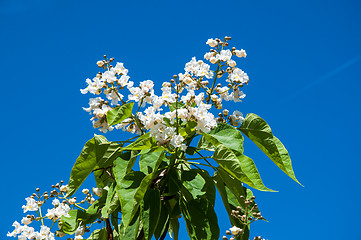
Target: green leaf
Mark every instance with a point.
(119, 114)
(256, 129)
(96, 152)
(111, 203)
(120, 167)
(148, 161)
(200, 218)
(235, 187)
(174, 227)
(132, 231)
(198, 184)
(150, 212)
(162, 222)
(240, 167)
(143, 187)
(230, 201)
(126, 189)
(222, 134)
(70, 223)
(175, 105)
(99, 234)
(143, 142)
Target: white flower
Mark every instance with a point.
(186, 78)
(94, 86)
(235, 230)
(109, 76)
(239, 116)
(18, 229)
(92, 200)
(211, 42)
(55, 202)
(208, 55)
(79, 231)
(120, 69)
(224, 55)
(183, 147)
(101, 112)
(85, 191)
(64, 188)
(51, 214)
(97, 191)
(213, 60)
(31, 205)
(231, 63)
(123, 81)
(26, 220)
(72, 201)
(176, 140)
(240, 53)
(238, 76)
(100, 64)
(114, 96)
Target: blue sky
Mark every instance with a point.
(304, 61)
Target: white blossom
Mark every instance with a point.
(235, 230)
(26, 220)
(224, 55)
(212, 43)
(31, 205)
(97, 191)
(240, 53)
(120, 69)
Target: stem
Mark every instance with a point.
(52, 225)
(213, 84)
(193, 163)
(109, 229)
(138, 124)
(198, 158)
(41, 217)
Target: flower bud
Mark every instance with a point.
(228, 232)
(100, 64)
(225, 112)
(92, 200)
(59, 234)
(85, 191)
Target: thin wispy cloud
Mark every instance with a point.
(324, 77)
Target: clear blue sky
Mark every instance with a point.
(304, 61)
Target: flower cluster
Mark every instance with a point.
(189, 96)
(59, 209)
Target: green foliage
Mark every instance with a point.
(119, 114)
(256, 129)
(222, 134)
(152, 200)
(201, 219)
(97, 152)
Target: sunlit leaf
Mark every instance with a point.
(239, 166)
(119, 114)
(256, 129)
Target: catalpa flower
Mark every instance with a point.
(31, 205)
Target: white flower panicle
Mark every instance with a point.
(23, 231)
(179, 95)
